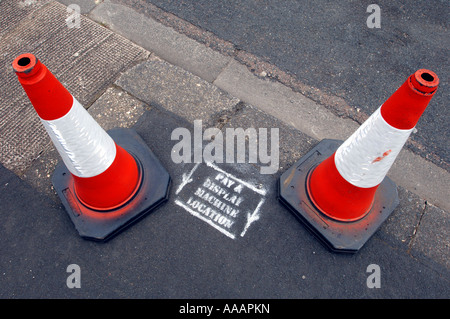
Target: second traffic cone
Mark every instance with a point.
(101, 183)
(344, 185)
(348, 189)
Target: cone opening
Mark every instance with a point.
(24, 65)
(427, 77)
(24, 61)
(425, 81)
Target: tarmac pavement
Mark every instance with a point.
(132, 71)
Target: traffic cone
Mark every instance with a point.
(340, 190)
(104, 179)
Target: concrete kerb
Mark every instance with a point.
(165, 42)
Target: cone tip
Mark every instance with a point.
(24, 64)
(425, 81)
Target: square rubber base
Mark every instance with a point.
(102, 226)
(345, 237)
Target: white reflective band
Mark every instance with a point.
(367, 155)
(86, 149)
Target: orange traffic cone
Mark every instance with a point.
(103, 179)
(341, 191)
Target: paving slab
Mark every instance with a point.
(13, 12)
(86, 61)
(158, 83)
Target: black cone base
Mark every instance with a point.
(102, 226)
(345, 237)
